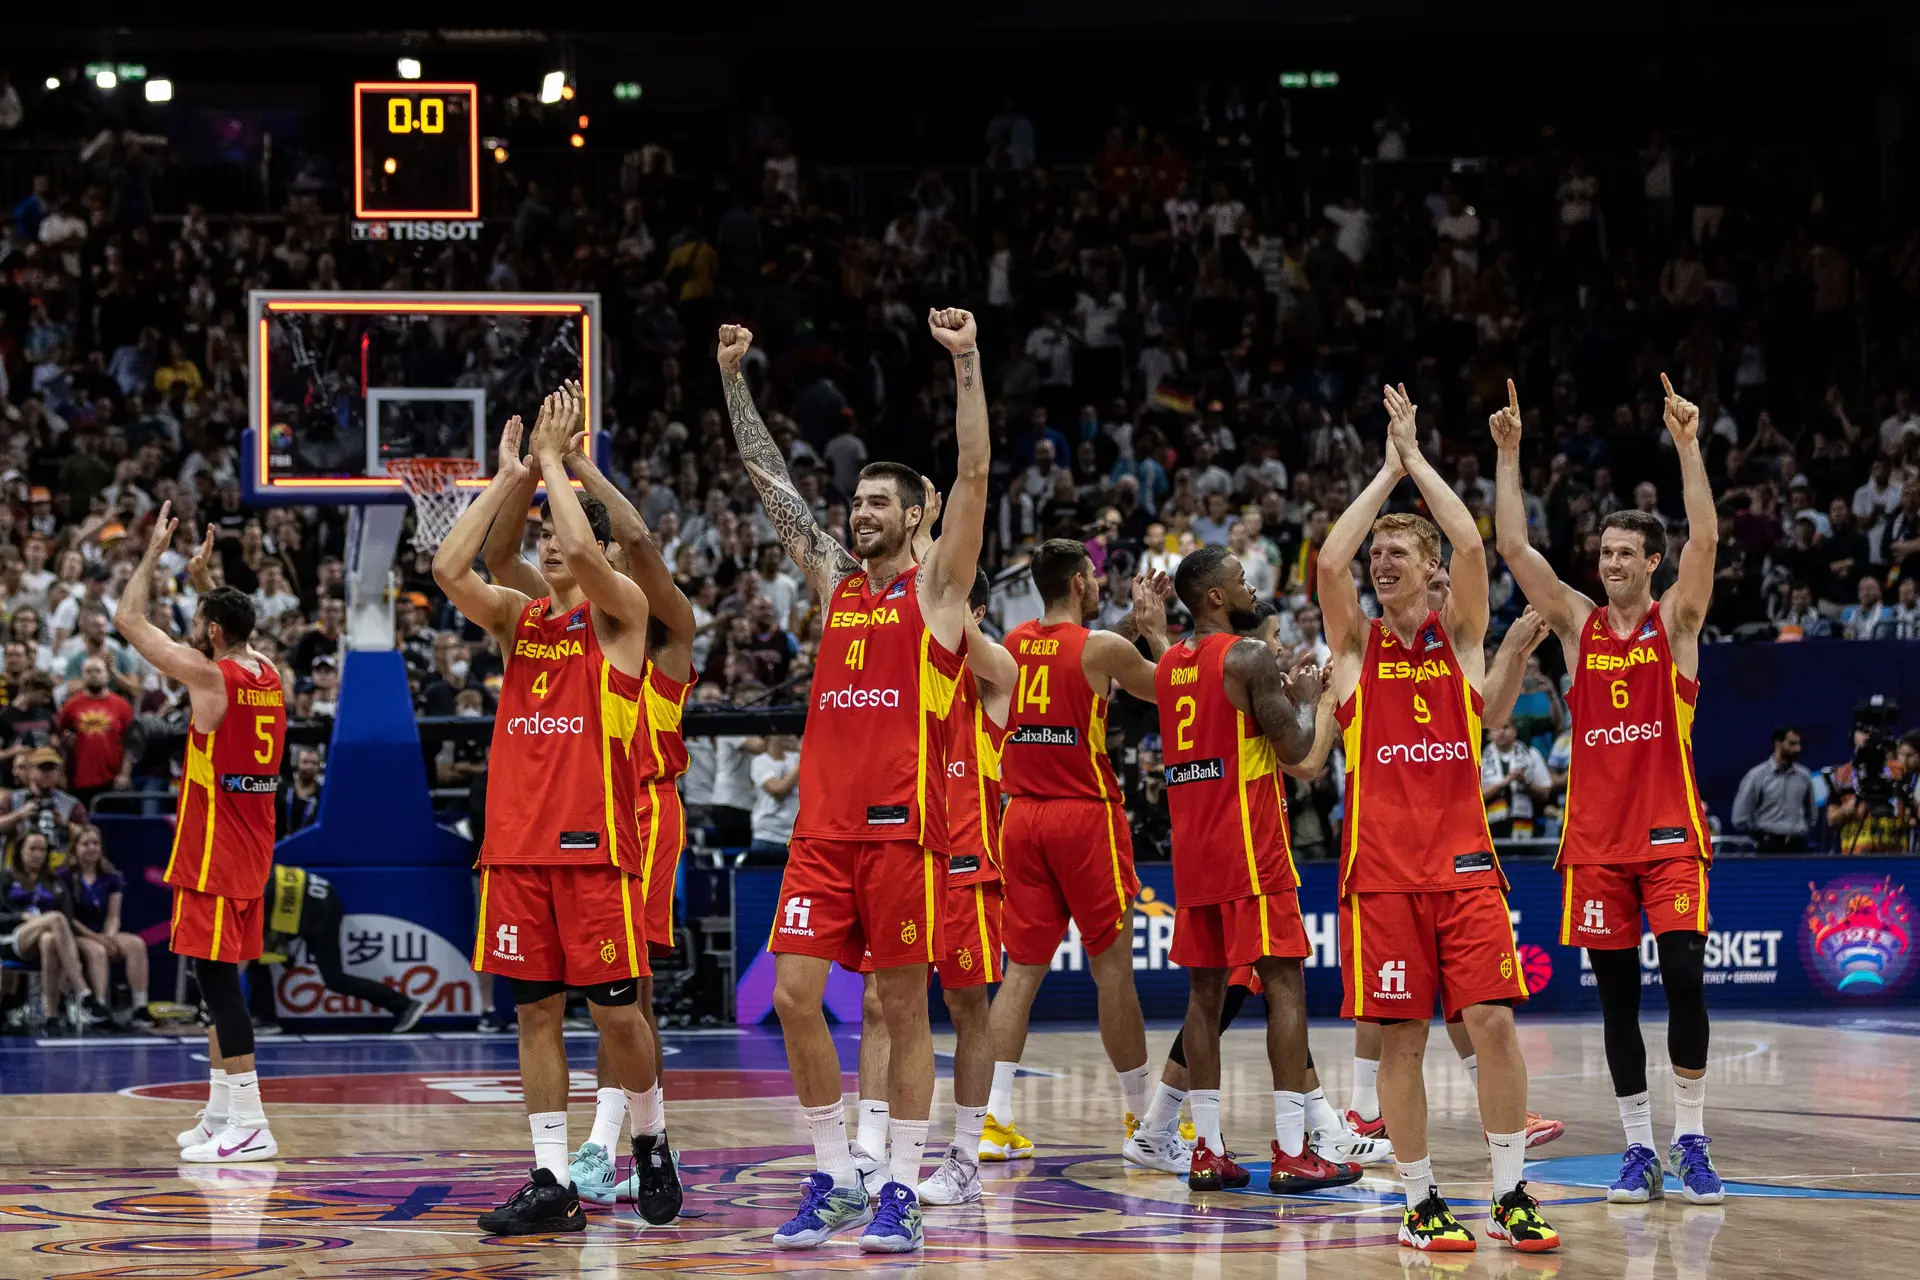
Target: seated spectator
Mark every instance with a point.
(1870, 618)
(1799, 618)
(42, 806)
(96, 889)
(36, 927)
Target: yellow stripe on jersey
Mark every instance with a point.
(663, 716)
(1350, 743)
(937, 692)
(204, 776)
(1256, 761)
(1683, 724)
(1097, 743)
(986, 765)
(1115, 814)
(619, 719)
(1475, 740)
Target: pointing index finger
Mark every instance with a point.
(1513, 396)
(1666, 386)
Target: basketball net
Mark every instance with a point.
(437, 499)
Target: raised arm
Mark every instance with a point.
(1111, 658)
(1466, 616)
(1148, 618)
(824, 561)
(485, 604)
(1284, 705)
(1564, 608)
(1692, 593)
(197, 571)
(992, 666)
(611, 591)
(1502, 687)
(955, 555)
(1326, 729)
(505, 535)
(1346, 625)
(169, 657)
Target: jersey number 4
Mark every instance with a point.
(1033, 689)
(540, 685)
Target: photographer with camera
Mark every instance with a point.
(1869, 803)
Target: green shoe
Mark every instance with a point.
(591, 1169)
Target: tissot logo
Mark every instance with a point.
(1211, 770)
(250, 784)
(1046, 735)
(849, 699)
(1422, 752)
(1614, 735)
(547, 724)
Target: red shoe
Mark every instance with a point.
(1297, 1175)
(1374, 1128)
(1210, 1172)
(1541, 1131)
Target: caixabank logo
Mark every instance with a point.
(1858, 935)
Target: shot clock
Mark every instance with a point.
(416, 151)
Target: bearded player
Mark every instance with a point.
(223, 835)
(867, 867)
(657, 752)
(1634, 834)
(557, 907)
(1423, 910)
(1229, 719)
(1069, 850)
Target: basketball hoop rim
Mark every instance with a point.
(431, 475)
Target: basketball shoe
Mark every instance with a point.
(1344, 1146)
(657, 1193)
(1163, 1152)
(956, 1181)
(234, 1145)
(541, 1207)
(871, 1168)
(1689, 1161)
(591, 1168)
(824, 1209)
(204, 1127)
(1374, 1128)
(1003, 1142)
(1308, 1171)
(1641, 1178)
(1207, 1171)
(1541, 1131)
(1516, 1218)
(896, 1227)
(1431, 1227)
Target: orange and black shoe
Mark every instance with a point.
(1374, 1128)
(1431, 1227)
(1515, 1217)
(1308, 1171)
(1211, 1172)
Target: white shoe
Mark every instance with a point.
(234, 1144)
(873, 1170)
(201, 1131)
(1344, 1146)
(956, 1181)
(1164, 1152)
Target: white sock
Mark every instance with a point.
(872, 1134)
(660, 1100)
(1416, 1179)
(83, 993)
(1636, 1117)
(1000, 1100)
(219, 1097)
(609, 1117)
(1133, 1087)
(648, 1110)
(550, 1143)
(243, 1100)
(968, 1122)
(1509, 1160)
(140, 998)
(1206, 1118)
(1366, 1095)
(1290, 1121)
(909, 1141)
(1163, 1113)
(1321, 1117)
(1471, 1064)
(830, 1154)
(1689, 1106)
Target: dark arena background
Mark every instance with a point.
(261, 273)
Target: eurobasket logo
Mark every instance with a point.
(1858, 935)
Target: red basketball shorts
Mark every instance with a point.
(1226, 935)
(1602, 903)
(579, 925)
(207, 926)
(1399, 951)
(971, 944)
(663, 836)
(841, 899)
(1065, 860)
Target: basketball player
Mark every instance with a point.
(1069, 851)
(657, 752)
(1634, 836)
(1423, 909)
(223, 834)
(1234, 717)
(867, 868)
(557, 909)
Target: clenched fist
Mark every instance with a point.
(953, 329)
(734, 341)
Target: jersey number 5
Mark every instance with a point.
(1033, 689)
(263, 730)
(1188, 709)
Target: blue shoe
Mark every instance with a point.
(896, 1228)
(591, 1168)
(1691, 1164)
(824, 1210)
(1641, 1178)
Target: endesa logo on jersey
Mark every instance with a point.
(547, 724)
(1422, 752)
(851, 699)
(1616, 735)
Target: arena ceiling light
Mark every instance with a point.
(553, 86)
(409, 68)
(53, 82)
(159, 91)
(106, 79)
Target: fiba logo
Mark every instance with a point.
(1858, 935)
(799, 914)
(506, 942)
(1594, 916)
(1393, 979)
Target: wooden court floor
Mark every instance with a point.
(390, 1147)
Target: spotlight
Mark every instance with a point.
(553, 86)
(583, 122)
(499, 155)
(566, 91)
(577, 140)
(159, 91)
(409, 68)
(105, 79)
(53, 82)
(390, 165)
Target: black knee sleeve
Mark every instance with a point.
(525, 992)
(612, 994)
(1616, 974)
(1229, 1009)
(1683, 972)
(220, 991)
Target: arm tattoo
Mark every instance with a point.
(966, 363)
(823, 560)
(1289, 724)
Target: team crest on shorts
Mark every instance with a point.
(966, 959)
(908, 932)
(606, 952)
(1682, 903)
(1506, 966)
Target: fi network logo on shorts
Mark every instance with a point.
(798, 917)
(506, 943)
(1393, 981)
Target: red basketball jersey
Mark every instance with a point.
(1631, 794)
(1060, 748)
(974, 754)
(1225, 792)
(1415, 820)
(560, 786)
(876, 759)
(223, 834)
(658, 756)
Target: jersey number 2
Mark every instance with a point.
(1033, 689)
(1188, 709)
